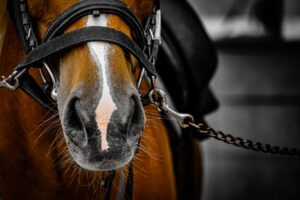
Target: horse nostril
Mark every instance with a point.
(72, 116)
(83, 115)
(75, 122)
(128, 121)
(137, 119)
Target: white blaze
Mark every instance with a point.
(106, 106)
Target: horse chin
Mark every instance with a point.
(92, 158)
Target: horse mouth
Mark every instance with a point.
(104, 162)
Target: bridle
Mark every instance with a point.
(144, 47)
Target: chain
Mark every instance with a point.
(158, 98)
(242, 143)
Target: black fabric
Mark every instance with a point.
(87, 7)
(186, 64)
(84, 35)
(187, 58)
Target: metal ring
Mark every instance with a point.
(53, 93)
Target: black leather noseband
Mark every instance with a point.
(81, 36)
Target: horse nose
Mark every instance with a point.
(137, 118)
(80, 119)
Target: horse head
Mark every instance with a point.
(99, 106)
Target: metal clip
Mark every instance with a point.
(96, 13)
(153, 82)
(54, 91)
(140, 78)
(158, 97)
(10, 82)
(28, 34)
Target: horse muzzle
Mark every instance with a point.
(85, 137)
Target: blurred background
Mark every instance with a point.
(258, 86)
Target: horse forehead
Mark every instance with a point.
(46, 11)
(46, 7)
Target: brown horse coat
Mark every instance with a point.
(34, 159)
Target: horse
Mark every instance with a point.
(101, 124)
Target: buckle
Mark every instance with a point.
(11, 82)
(159, 99)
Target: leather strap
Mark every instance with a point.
(18, 12)
(108, 184)
(81, 36)
(96, 7)
(129, 184)
(30, 86)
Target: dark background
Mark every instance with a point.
(258, 86)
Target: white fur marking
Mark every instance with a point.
(106, 104)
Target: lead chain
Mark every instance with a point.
(158, 98)
(242, 143)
